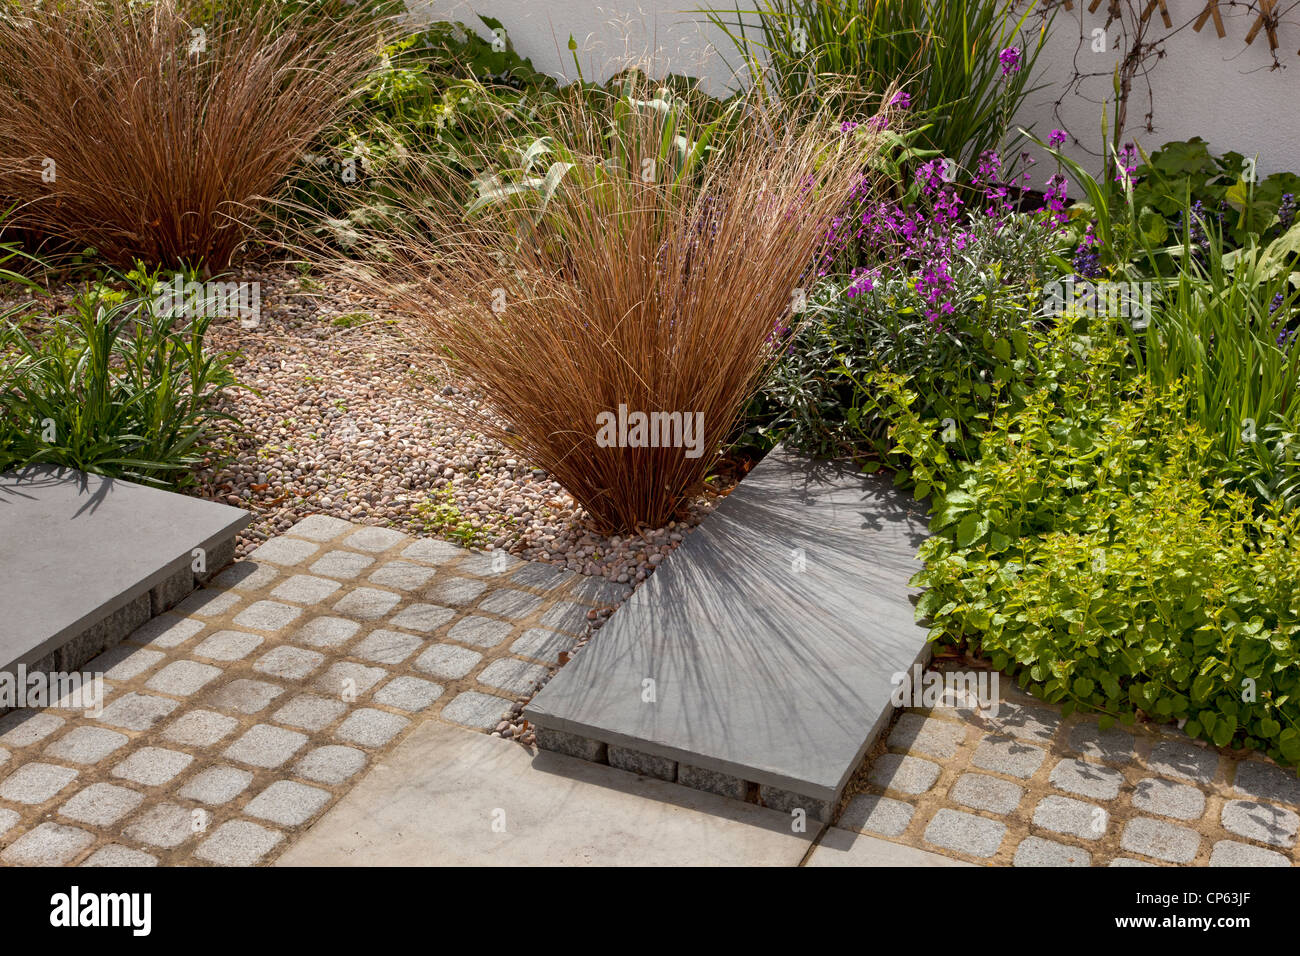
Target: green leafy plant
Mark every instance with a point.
(1091, 551)
(116, 388)
(945, 52)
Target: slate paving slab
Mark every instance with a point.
(61, 524)
(802, 567)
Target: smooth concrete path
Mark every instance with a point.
(845, 848)
(446, 796)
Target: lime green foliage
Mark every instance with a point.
(351, 319)
(946, 53)
(115, 387)
(1091, 550)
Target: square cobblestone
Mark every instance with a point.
(305, 589)
(1008, 756)
(245, 696)
(1232, 853)
(116, 855)
(410, 694)
(326, 632)
(928, 735)
(472, 709)
(387, 647)
(563, 616)
(152, 766)
(374, 539)
(310, 712)
(166, 631)
(319, 528)
(366, 604)
(544, 577)
(981, 792)
(508, 602)
(542, 644)
(182, 678)
(1175, 758)
(217, 785)
(137, 711)
(266, 746)
(1087, 779)
(872, 814)
(207, 602)
(238, 843)
(512, 675)
(489, 564)
(1266, 781)
(345, 565)
(1261, 822)
(331, 764)
(86, 745)
(268, 616)
(167, 825)
(288, 663)
(246, 576)
(371, 728)
(1087, 821)
(402, 575)
(1035, 851)
(965, 833)
(22, 728)
(49, 844)
(448, 661)
(424, 618)
(125, 662)
(480, 631)
(34, 783)
(101, 804)
(287, 803)
(1169, 799)
(1115, 745)
(1160, 840)
(284, 551)
(432, 551)
(1025, 721)
(455, 592)
(200, 728)
(348, 680)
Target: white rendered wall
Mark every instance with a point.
(1221, 90)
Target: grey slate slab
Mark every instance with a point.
(771, 634)
(75, 548)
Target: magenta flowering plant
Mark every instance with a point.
(941, 287)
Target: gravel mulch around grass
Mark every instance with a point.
(344, 418)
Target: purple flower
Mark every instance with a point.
(1010, 60)
(1056, 138)
(1286, 211)
(902, 99)
(1126, 163)
(1087, 262)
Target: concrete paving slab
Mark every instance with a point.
(446, 796)
(845, 848)
(79, 548)
(765, 646)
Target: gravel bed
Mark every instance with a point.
(344, 418)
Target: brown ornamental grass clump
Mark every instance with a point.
(146, 132)
(612, 302)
